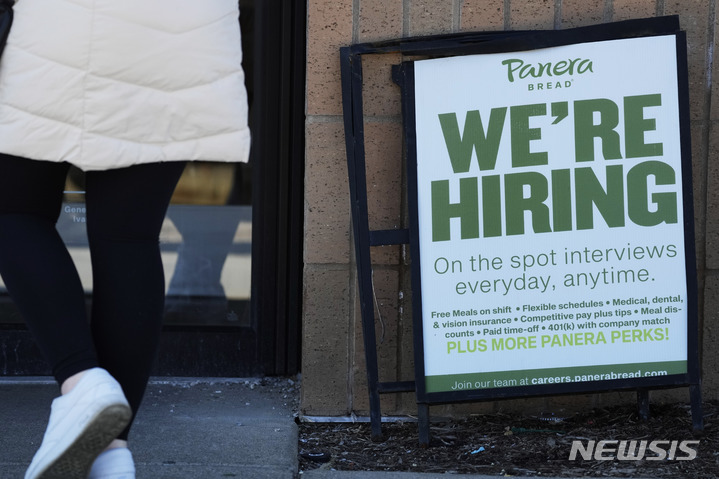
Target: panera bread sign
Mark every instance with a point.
(551, 215)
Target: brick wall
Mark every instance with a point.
(334, 380)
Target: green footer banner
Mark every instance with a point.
(543, 377)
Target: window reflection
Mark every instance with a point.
(205, 243)
(205, 239)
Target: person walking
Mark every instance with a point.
(127, 91)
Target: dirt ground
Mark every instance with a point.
(513, 445)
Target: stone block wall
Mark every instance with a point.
(334, 382)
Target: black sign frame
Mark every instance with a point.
(478, 43)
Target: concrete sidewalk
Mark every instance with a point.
(185, 429)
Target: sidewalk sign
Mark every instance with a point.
(551, 213)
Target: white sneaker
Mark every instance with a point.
(82, 424)
(113, 464)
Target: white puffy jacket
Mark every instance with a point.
(110, 83)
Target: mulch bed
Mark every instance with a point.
(514, 445)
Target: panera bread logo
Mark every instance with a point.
(540, 73)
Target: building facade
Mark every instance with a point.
(333, 365)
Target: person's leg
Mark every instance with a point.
(42, 280)
(36, 266)
(125, 211)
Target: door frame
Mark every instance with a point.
(278, 142)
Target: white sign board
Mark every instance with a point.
(551, 219)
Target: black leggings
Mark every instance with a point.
(125, 209)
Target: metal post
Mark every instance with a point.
(351, 66)
(695, 398)
(423, 424)
(643, 404)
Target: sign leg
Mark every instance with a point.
(643, 403)
(423, 423)
(695, 397)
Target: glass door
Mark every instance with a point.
(231, 241)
